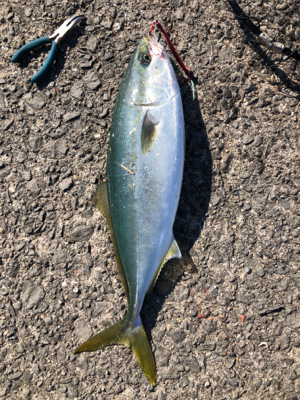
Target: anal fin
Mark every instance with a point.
(100, 199)
(172, 252)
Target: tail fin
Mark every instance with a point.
(122, 333)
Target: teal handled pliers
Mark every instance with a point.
(55, 38)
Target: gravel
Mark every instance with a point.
(223, 321)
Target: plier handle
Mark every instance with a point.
(55, 38)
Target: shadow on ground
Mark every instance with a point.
(193, 206)
(288, 62)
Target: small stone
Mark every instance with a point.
(108, 56)
(92, 43)
(176, 335)
(31, 294)
(26, 392)
(255, 384)
(179, 15)
(98, 307)
(47, 320)
(215, 200)
(284, 342)
(33, 186)
(162, 356)
(54, 178)
(148, 15)
(59, 257)
(6, 124)
(68, 215)
(14, 269)
(188, 19)
(87, 213)
(66, 184)
(104, 113)
(212, 293)
(76, 92)
(258, 141)
(2, 102)
(3, 391)
(208, 326)
(82, 233)
(183, 294)
(107, 24)
(74, 202)
(248, 139)
(241, 297)
(284, 283)
(92, 81)
(207, 384)
(28, 12)
(27, 175)
(293, 375)
(71, 116)
(193, 364)
(260, 271)
(37, 102)
(195, 5)
(208, 346)
(27, 376)
(21, 157)
(35, 142)
(296, 280)
(282, 6)
(245, 175)
(293, 320)
(169, 373)
(82, 330)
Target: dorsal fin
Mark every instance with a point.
(172, 252)
(100, 199)
(149, 132)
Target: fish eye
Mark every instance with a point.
(145, 59)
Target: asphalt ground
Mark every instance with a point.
(224, 320)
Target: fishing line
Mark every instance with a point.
(157, 24)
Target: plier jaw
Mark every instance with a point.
(65, 28)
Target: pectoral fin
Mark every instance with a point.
(172, 252)
(149, 132)
(100, 199)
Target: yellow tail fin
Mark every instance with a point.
(122, 333)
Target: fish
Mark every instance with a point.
(140, 195)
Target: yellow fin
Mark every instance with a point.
(100, 199)
(172, 252)
(122, 333)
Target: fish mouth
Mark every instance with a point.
(155, 48)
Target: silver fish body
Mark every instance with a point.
(144, 177)
(144, 201)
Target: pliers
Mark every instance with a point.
(55, 38)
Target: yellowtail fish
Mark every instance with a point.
(140, 197)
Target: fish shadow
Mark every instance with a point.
(192, 209)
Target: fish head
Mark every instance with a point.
(150, 79)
